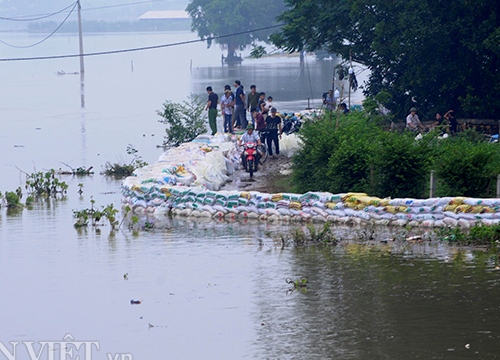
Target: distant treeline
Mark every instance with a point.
(119, 26)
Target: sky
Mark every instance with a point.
(111, 10)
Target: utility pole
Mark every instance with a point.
(82, 69)
(80, 37)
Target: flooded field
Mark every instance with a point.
(207, 290)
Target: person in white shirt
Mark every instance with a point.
(413, 122)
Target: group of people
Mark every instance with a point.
(265, 124)
(446, 123)
(330, 100)
(235, 105)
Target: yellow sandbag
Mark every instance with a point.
(246, 195)
(462, 208)
(457, 201)
(330, 205)
(348, 195)
(478, 209)
(450, 208)
(276, 197)
(395, 209)
(295, 205)
(351, 205)
(384, 202)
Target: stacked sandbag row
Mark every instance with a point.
(205, 162)
(357, 208)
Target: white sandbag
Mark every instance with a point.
(319, 218)
(451, 214)
(284, 211)
(491, 222)
(209, 209)
(398, 222)
(439, 224)
(319, 211)
(428, 223)
(413, 223)
(332, 218)
(271, 212)
(449, 221)
(463, 223)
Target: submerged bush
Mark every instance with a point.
(125, 169)
(479, 234)
(185, 121)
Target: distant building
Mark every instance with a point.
(166, 20)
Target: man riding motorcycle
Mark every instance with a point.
(250, 137)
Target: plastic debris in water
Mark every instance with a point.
(135, 302)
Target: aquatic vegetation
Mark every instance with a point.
(299, 284)
(94, 216)
(45, 184)
(478, 234)
(125, 169)
(79, 171)
(311, 235)
(13, 200)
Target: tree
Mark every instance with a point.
(185, 121)
(221, 18)
(442, 54)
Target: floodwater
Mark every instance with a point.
(208, 290)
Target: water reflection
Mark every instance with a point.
(364, 303)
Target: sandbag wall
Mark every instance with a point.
(186, 181)
(353, 208)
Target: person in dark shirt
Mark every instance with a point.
(240, 115)
(262, 103)
(274, 131)
(213, 100)
(252, 98)
(452, 122)
(259, 123)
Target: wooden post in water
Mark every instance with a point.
(498, 186)
(432, 185)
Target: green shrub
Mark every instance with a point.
(185, 121)
(45, 184)
(13, 200)
(357, 155)
(123, 170)
(400, 165)
(467, 168)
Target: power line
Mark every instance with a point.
(142, 48)
(46, 38)
(39, 17)
(119, 5)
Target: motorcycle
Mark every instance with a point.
(250, 157)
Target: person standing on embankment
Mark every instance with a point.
(213, 100)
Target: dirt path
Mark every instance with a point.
(273, 176)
